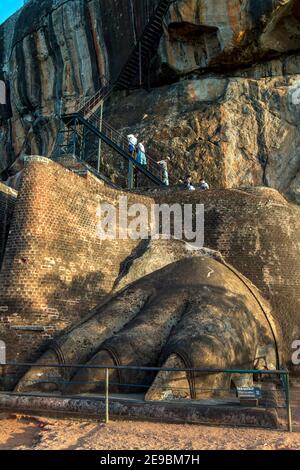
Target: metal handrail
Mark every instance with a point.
(282, 373)
(149, 368)
(118, 138)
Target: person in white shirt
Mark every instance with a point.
(141, 154)
(165, 173)
(189, 185)
(204, 186)
(132, 143)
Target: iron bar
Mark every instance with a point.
(288, 400)
(107, 396)
(147, 368)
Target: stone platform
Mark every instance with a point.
(208, 412)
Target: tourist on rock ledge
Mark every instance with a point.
(204, 185)
(188, 184)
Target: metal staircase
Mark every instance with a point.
(145, 46)
(76, 125)
(86, 118)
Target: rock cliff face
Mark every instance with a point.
(207, 33)
(225, 82)
(234, 131)
(55, 49)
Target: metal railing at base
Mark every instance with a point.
(278, 394)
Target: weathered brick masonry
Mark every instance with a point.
(55, 269)
(7, 203)
(258, 232)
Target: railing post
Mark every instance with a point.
(130, 175)
(61, 104)
(140, 65)
(2, 359)
(288, 401)
(100, 141)
(106, 396)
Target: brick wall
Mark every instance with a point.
(7, 203)
(258, 232)
(55, 269)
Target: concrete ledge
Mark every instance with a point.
(94, 407)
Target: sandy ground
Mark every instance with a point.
(20, 433)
